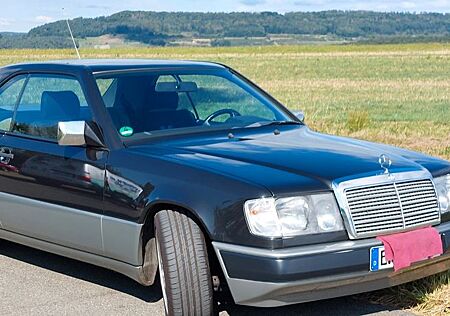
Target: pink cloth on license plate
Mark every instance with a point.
(409, 247)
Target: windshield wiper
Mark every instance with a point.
(272, 123)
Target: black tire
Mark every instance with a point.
(183, 263)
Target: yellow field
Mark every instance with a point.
(396, 94)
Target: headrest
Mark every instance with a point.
(60, 105)
(133, 91)
(164, 101)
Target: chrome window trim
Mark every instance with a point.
(341, 185)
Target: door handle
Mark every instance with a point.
(6, 155)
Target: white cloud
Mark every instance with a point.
(44, 19)
(408, 5)
(5, 22)
(377, 5)
(440, 4)
(252, 2)
(95, 6)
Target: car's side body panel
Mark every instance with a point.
(53, 193)
(51, 222)
(49, 197)
(122, 240)
(135, 272)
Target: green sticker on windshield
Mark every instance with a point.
(126, 131)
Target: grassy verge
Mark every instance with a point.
(428, 297)
(396, 94)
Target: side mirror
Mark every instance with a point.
(79, 133)
(300, 115)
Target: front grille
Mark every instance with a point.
(392, 207)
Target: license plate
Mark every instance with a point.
(378, 259)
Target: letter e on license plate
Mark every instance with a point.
(378, 259)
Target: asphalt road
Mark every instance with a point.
(33, 282)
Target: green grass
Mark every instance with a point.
(404, 90)
(396, 94)
(429, 296)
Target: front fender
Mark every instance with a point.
(136, 185)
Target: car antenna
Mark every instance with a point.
(71, 35)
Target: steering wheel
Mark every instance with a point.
(211, 117)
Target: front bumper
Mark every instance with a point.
(268, 278)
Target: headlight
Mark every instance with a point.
(443, 192)
(293, 216)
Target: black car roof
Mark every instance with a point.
(103, 65)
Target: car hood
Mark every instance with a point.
(295, 151)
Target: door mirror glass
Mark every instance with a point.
(300, 115)
(79, 133)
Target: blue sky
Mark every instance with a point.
(21, 15)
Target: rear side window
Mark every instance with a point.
(9, 97)
(47, 100)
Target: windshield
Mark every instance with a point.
(154, 103)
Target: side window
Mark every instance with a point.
(108, 90)
(9, 96)
(47, 100)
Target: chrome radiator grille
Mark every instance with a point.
(392, 207)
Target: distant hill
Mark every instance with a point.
(23, 40)
(173, 28)
(11, 33)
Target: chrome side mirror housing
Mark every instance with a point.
(300, 116)
(79, 133)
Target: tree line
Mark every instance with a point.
(157, 28)
(18, 41)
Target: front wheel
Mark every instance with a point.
(183, 265)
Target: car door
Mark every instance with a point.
(48, 192)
